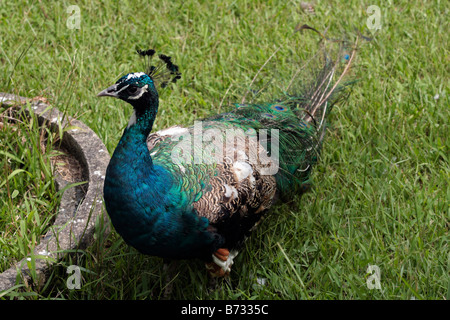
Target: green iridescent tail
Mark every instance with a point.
(300, 109)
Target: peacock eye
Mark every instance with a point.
(131, 89)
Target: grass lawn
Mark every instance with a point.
(28, 195)
(381, 188)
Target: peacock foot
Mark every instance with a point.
(221, 263)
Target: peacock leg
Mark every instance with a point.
(222, 262)
(169, 269)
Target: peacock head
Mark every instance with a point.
(132, 88)
(139, 88)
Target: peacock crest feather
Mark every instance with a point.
(164, 71)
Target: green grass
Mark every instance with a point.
(381, 189)
(28, 198)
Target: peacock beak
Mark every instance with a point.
(109, 92)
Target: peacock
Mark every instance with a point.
(198, 192)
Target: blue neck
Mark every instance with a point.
(135, 189)
(144, 203)
(131, 161)
(132, 148)
(145, 110)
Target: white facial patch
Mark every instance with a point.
(135, 75)
(123, 88)
(141, 92)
